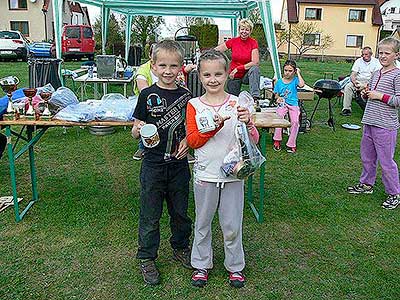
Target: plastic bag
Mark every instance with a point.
(115, 107)
(81, 112)
(245, 158)
(61, 98)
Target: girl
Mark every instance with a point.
(213, 191)
(286, 92)
(381, 122)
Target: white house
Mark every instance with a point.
(390, 11)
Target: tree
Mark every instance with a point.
(114, 36)
(144, 28)
(306, 36)
(187, 22)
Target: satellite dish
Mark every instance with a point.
(33, 1)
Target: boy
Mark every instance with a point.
(165, 170)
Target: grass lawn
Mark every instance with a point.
(317, 242)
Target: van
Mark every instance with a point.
(77, 41)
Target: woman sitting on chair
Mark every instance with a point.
(245, 60)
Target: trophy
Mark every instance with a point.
(30, 93)
(9, 85)
(46, 115)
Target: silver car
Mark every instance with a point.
(13, 45)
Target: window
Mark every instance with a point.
(21, 26)
(357, 15)
(87, 33)
(73, 32)
(354, 41)
(392, 10)
(313, 13)
(18, 4)
(312, 39)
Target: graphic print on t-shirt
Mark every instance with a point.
(155, 105)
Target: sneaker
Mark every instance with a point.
(149, 271)
(199, 277)
(277, 145)
(291, 149)
(138, 154)
(360, 188)
(236, 279)
(183, 256)
(391, 202)
(190, 159)
(345, 112)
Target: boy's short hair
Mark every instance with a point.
(213, 54)
(169, 46)
(391, 41)
(246, 23)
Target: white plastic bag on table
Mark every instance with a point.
(115, 107)
(61, 98)
(245, 158)
(81, 112)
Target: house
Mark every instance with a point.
(390, 11)
(351, 25)
(34, 18)
(224, 35)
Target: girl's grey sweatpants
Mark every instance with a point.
(228, 199)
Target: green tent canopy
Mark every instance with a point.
(232, 9)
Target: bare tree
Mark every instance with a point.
(305, 37)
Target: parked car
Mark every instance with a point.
(41, 49)
(78, 41)
(13, 45)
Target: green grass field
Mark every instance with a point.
(317, 242)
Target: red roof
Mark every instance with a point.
(292, 6)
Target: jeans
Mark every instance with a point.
(3, 143)
(159, 182)
(252, 78)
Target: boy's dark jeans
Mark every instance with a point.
(3, 143)
(159, 182)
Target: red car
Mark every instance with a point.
(78, 41)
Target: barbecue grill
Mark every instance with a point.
(326, 88)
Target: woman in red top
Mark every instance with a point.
(245, 59)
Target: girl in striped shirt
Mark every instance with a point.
(381, 122)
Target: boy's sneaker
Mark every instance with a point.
(236, 279)
(391, 202)
(277, 145)
(360, 188)
(199, 277)
(138, 154)
(149, 271)
(291, 149)
(183, 256)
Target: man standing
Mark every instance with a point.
(361, 72)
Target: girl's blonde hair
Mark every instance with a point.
(246, 23)
(213, 54)
(391, 41)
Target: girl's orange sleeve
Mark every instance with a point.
(194, 138)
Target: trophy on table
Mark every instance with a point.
(46, 115)
(9, 85)
(30, 93)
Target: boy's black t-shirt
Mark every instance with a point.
(165, 109)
